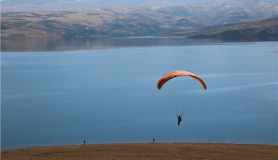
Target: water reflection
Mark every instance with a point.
(89, 43)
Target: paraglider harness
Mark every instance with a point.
(179, 119)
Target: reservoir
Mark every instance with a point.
(104, 90)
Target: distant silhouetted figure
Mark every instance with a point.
(84, 142)
(179, 120)
(153, 140)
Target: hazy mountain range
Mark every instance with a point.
(66, 5)
(136, 21)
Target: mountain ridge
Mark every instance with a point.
(137, 21)
(66, 5)
(261, 30)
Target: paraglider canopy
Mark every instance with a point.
(174, 74)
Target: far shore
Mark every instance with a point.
(150, 151)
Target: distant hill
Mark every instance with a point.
(266, 29)
(137, 21)
(70, 5)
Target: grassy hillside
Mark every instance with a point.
(266, 29)
(152, 151)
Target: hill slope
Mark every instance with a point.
(138, 21)
(153, 151)
(266, 29)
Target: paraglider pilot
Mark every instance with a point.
(179, 120)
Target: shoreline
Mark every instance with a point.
(146, 151)
(143, 143)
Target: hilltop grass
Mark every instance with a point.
(150, 151)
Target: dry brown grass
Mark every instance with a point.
(144, 151)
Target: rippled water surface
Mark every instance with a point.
(110, 95)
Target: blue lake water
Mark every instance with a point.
(110, 95)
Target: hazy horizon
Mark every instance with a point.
(51, 5)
